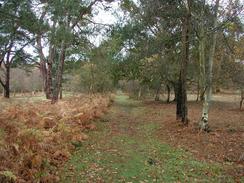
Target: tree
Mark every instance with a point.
(181, 111)
(13, 39)
(63, 26)
(229, 17)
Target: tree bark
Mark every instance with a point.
(179, 100)
(52, 52)
(49, 81)
(182, 110)
(175, 86)
(7, 82)
(139, 93)
(51, 57)
(61, 93)
(242, 98)
(168, 93)
(202, 56)
(43, 71)
(198, 91)
(46, 63)
(59, 73)
(208, 94)
(61, 90)
(7, 65)
(45, 68)
(157, 97)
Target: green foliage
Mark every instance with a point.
(95, 74)
(94, 78)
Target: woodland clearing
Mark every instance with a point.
(142, 142)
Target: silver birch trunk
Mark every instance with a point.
(202, 75)
(208, 94)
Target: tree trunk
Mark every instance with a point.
(7, 82)
(52, 52)
(43, 71)
(157, 97)
(202, 61)
(46, 63)
(61, 93)
(179, 100)
(59, 74)
(175, 85)
(139, 93)
(61, 90)
(168, 93)
(198, 90)
(242, 98)
(182, 110)
(218, 71)
(45, 67)
(208, 94)
(49, 81)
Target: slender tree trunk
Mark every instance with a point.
(182, 110)
(59, 74)
(45, 68)
(175, 85)
(168, 93)
(157, 97)
(202, 67)
(46, 64)
(49, 81)
(61, 90)
(202, 94)
(218, 70)
(43, 71)
(202, 56)
(198, 90)
(242, 97)
(179, 100)
(61, 93)
(52, 52)
(7, 82)
(208, 94)
(7, 65)
(139, 93)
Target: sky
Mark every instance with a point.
(107, 17)
(111, 15)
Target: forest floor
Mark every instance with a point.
(142, 142)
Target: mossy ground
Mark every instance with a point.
(125, 148)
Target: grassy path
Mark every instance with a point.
(124, 148)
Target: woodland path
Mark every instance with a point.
(125, 148)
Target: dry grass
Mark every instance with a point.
(36, 137)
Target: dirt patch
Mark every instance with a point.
(224, 144)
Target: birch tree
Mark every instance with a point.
(209, 75)
(202, 41)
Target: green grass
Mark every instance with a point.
(132, 153)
